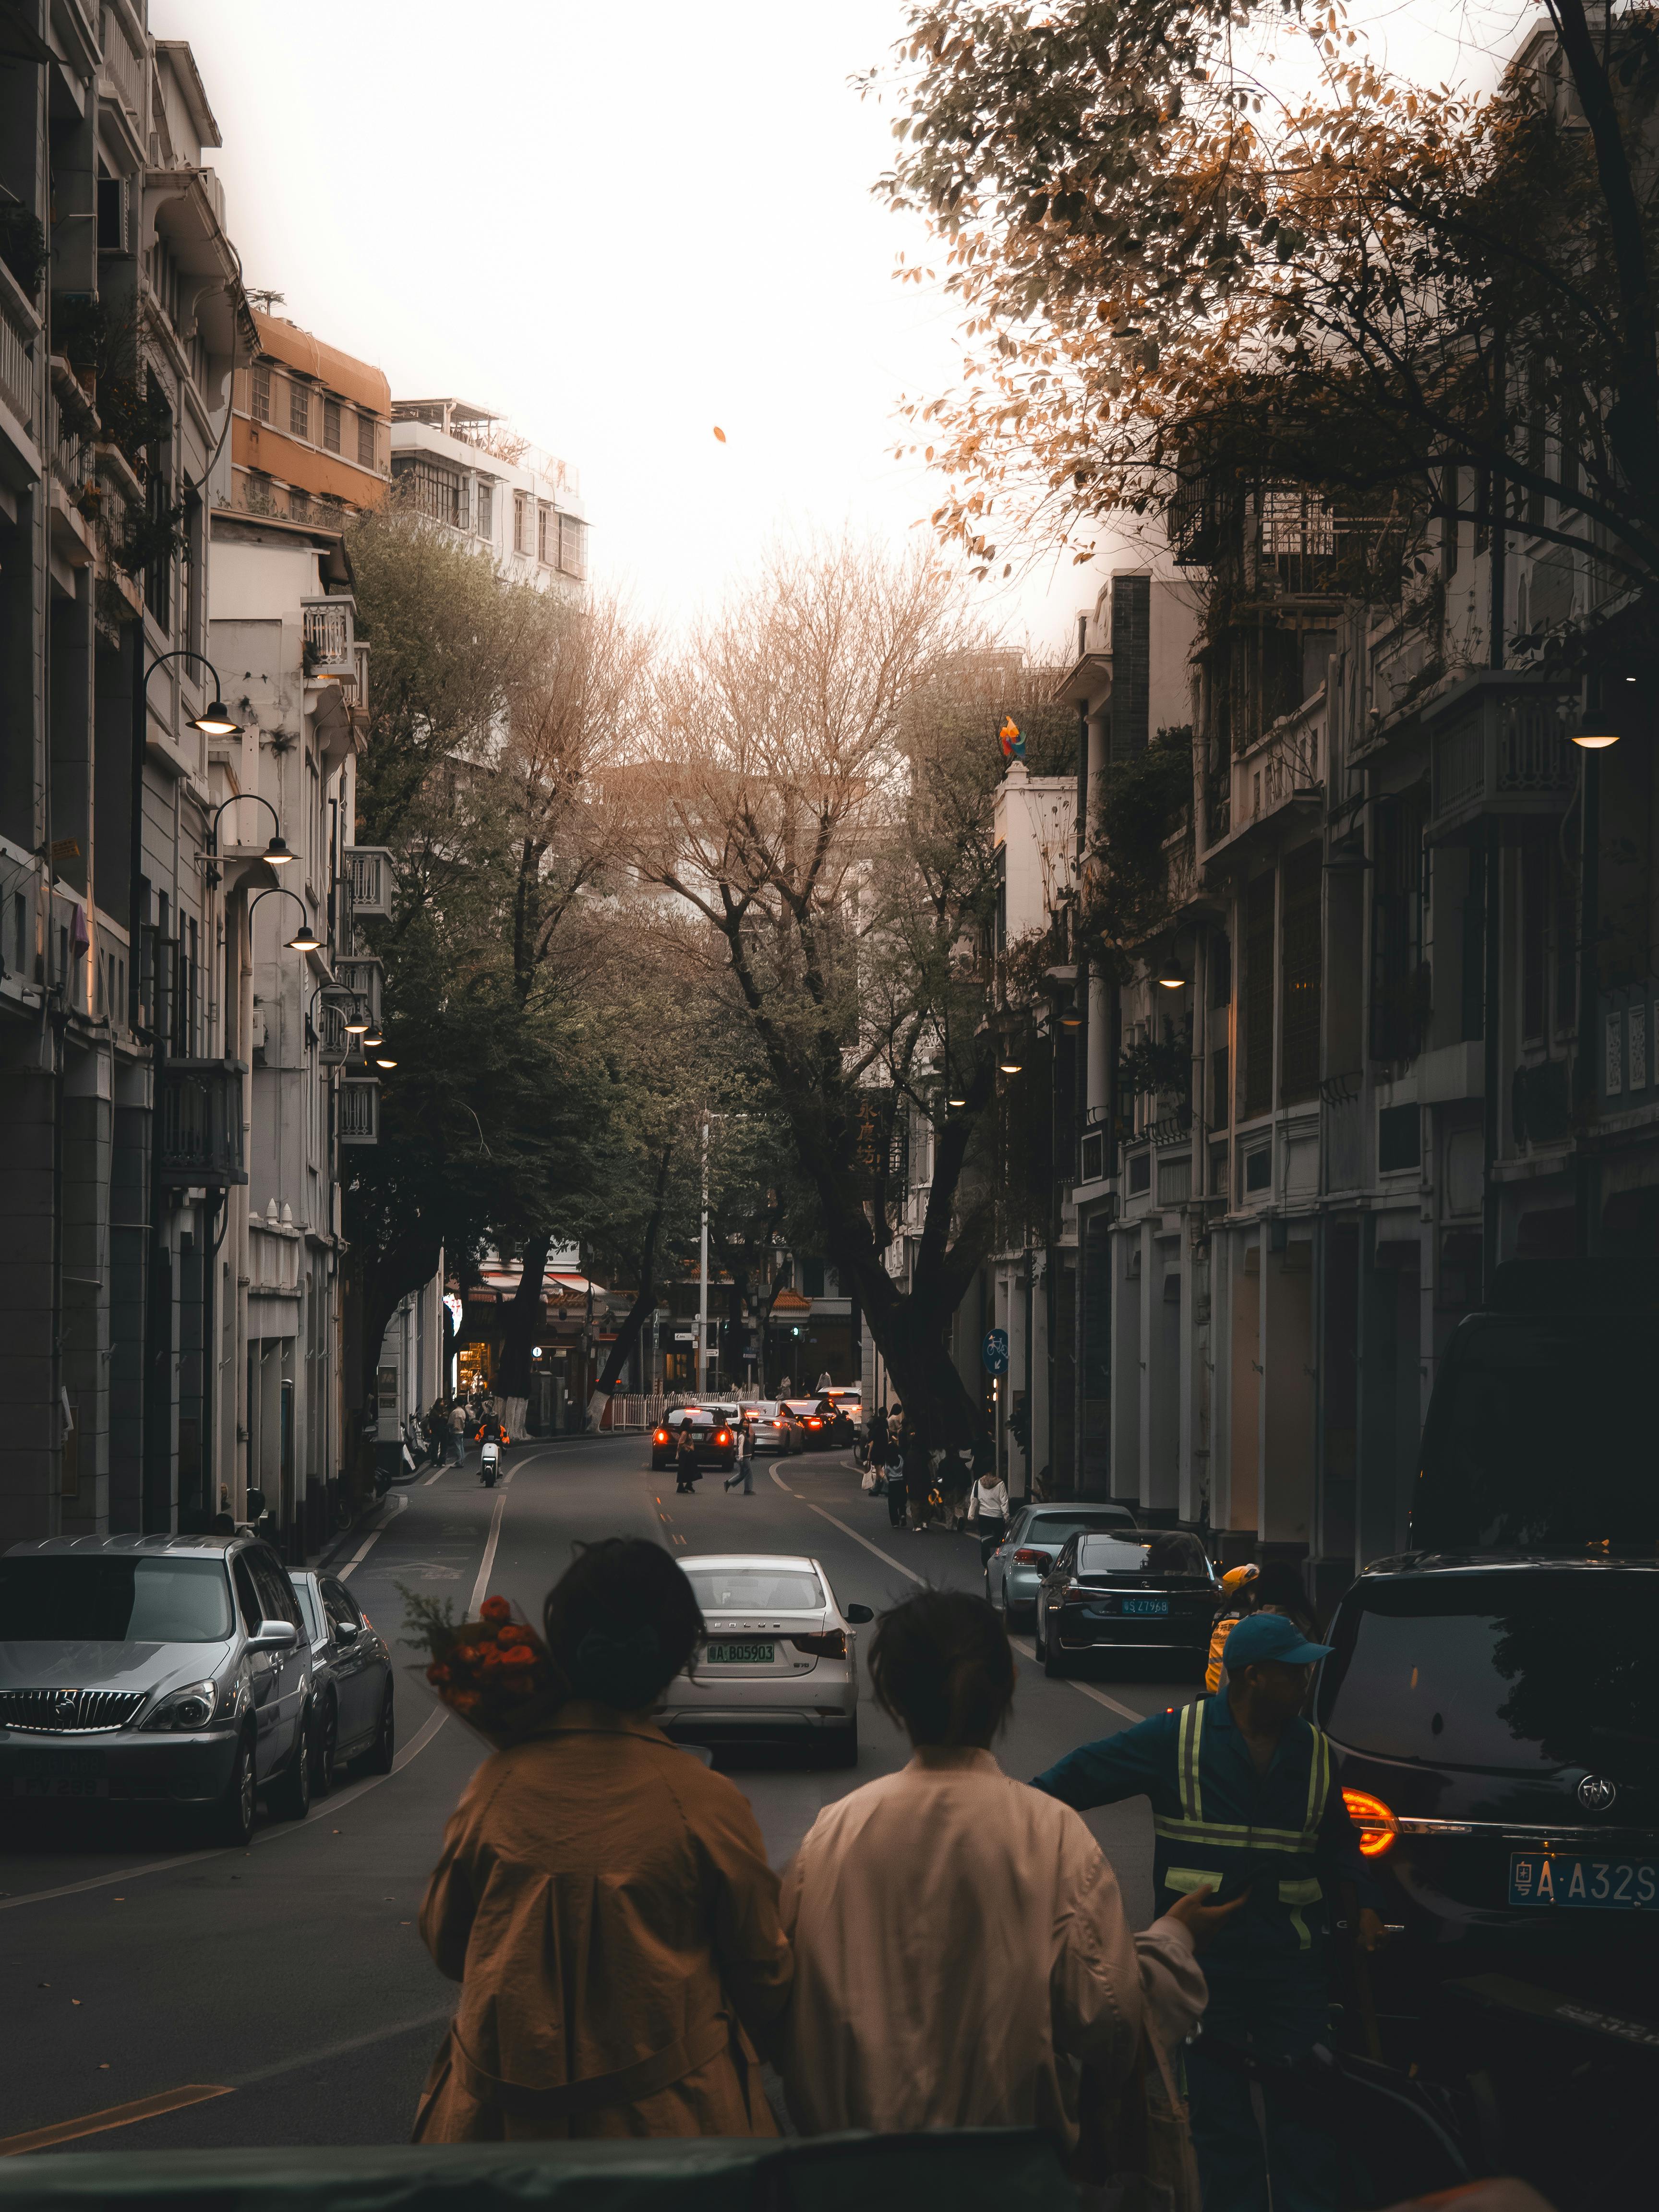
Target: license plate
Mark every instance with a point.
(1154, 1606)
(1589, 1885)
(740, 1654)
(62, 1777)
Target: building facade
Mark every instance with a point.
(460, 466)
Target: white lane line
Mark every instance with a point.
(272, 1835)
(340, 2050)
(481, 1588)
(394, 1506)
(886, 1557)
(1083, 1689)
(427, 1481)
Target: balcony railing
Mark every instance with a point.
(17, 338)
(328, 632)
(200, 1105)
(359, 1111)
(1498, 748)
(369, 879)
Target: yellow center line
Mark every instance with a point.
(112, 2116)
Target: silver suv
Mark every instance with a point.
(155, 1670)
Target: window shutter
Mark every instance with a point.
(331, 425)
(365, 441)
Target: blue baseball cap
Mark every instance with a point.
(1270, 1637)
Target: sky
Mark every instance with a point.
(622, 227)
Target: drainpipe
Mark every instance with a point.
(1490, 1054)
(1589, 929)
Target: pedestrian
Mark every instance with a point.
(960, 1941)
(458, 1431)
(1241, 1796)
(953, 1487)
(685, 1461)
(743, 1470)
(604, 1901)
(987, 1511)
(918, 1482)
(1234, 1604)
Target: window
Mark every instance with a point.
(1399, 1139)
(337, 1602)
(435, 490)
(365, 441)
(1259, 995)
(52, 1598)
(1141, 1174)
(1299, 1030)
(572, 546)
(299, 407)
(757, 1589)
(521, 523)
(1399, 980)
(247, 1598)
(275, 1591)
(544, 516)
(260, 392)
(331, 413)
(1534, 892)
(1259, 1168)
(486, 510)
(111, 215)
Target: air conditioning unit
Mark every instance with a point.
(368, 878)
(359, 1111)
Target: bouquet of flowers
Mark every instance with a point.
(494, 1673)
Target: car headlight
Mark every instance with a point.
(197, 1705)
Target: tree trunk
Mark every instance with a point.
(645, 1300)
(523, 1325)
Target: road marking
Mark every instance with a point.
(112, 2116)
(271, 1835)
(339, 2050)
(427, 1482)
(886, 1557)
(393, 1508)
(1083, 1689)
(481, 1588)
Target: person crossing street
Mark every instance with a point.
(743, 1470)
(1243, 1802)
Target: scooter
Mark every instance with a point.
(489, 1462)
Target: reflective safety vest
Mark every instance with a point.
(1202, 1846)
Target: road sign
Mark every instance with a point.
(995, 1352)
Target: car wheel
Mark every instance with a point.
(231, 1820)
(325, 1750)
(289, 1796)
(1056, 1665)
(1039, 1642)
(841, 1749)
(377, 1760)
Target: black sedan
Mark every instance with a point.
(1148, 1590)
(351, 1682)
(814, 1420)
(712, 1434)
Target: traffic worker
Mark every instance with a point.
(1242, 1802)
(1234, 1604)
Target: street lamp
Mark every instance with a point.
(1170, 976)
(216, 719)
(305, 939)
(278, 853)
(1596, 728)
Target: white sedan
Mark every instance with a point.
(779, 1663)
(773, 1430)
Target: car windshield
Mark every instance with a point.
(1166, 1555)
(1539, 1439)
(1518, 1668)
(757, 1589)
(54, 1597)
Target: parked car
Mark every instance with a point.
(1027, 1552)
(780, 1664)
(173, 1670)
(813, 1423)
(716, 1444)
(846, 1415)
(1150, 1589)
(351, 1692)
(1492, 1719)
(773, 1430)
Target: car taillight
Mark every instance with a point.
(1026, 1558)
(661, 1437)
(724, 1438)
(832, 1644)
(1376, 1823)
(813, 1422)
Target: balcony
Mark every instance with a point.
(369, 879)
(329, 637)
(1501, 747)
(200, 1142)
(359, 1111)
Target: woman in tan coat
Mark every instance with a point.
(604, 1900)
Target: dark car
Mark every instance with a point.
(712, 1434)
(815, 1422)
(1495, 1725)
(1151, 1590)
(168, 1670)
(351, 1682)
(1027, 1552)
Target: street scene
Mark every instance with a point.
(834, 1215)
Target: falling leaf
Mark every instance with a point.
(74, 2000)
(719, 433)
(103, 2066)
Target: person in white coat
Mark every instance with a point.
(961, 1946)
(987, 1512)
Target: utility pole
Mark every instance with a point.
(702, 1275)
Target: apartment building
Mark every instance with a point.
(310, 431)
(461, 466)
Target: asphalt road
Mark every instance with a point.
(286, 1986)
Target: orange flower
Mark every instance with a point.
(496, 1610)
(520, 1655)
(513, 1633)
(437, 1673)
(465, 1701)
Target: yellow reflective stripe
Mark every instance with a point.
(1296, 1894)
(1211, 1831)
(1188, 1743)
(1188, 1878)
(1319, 1779)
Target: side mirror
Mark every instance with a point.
(274, 1636)
(345, 1631)
(860, 1614)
